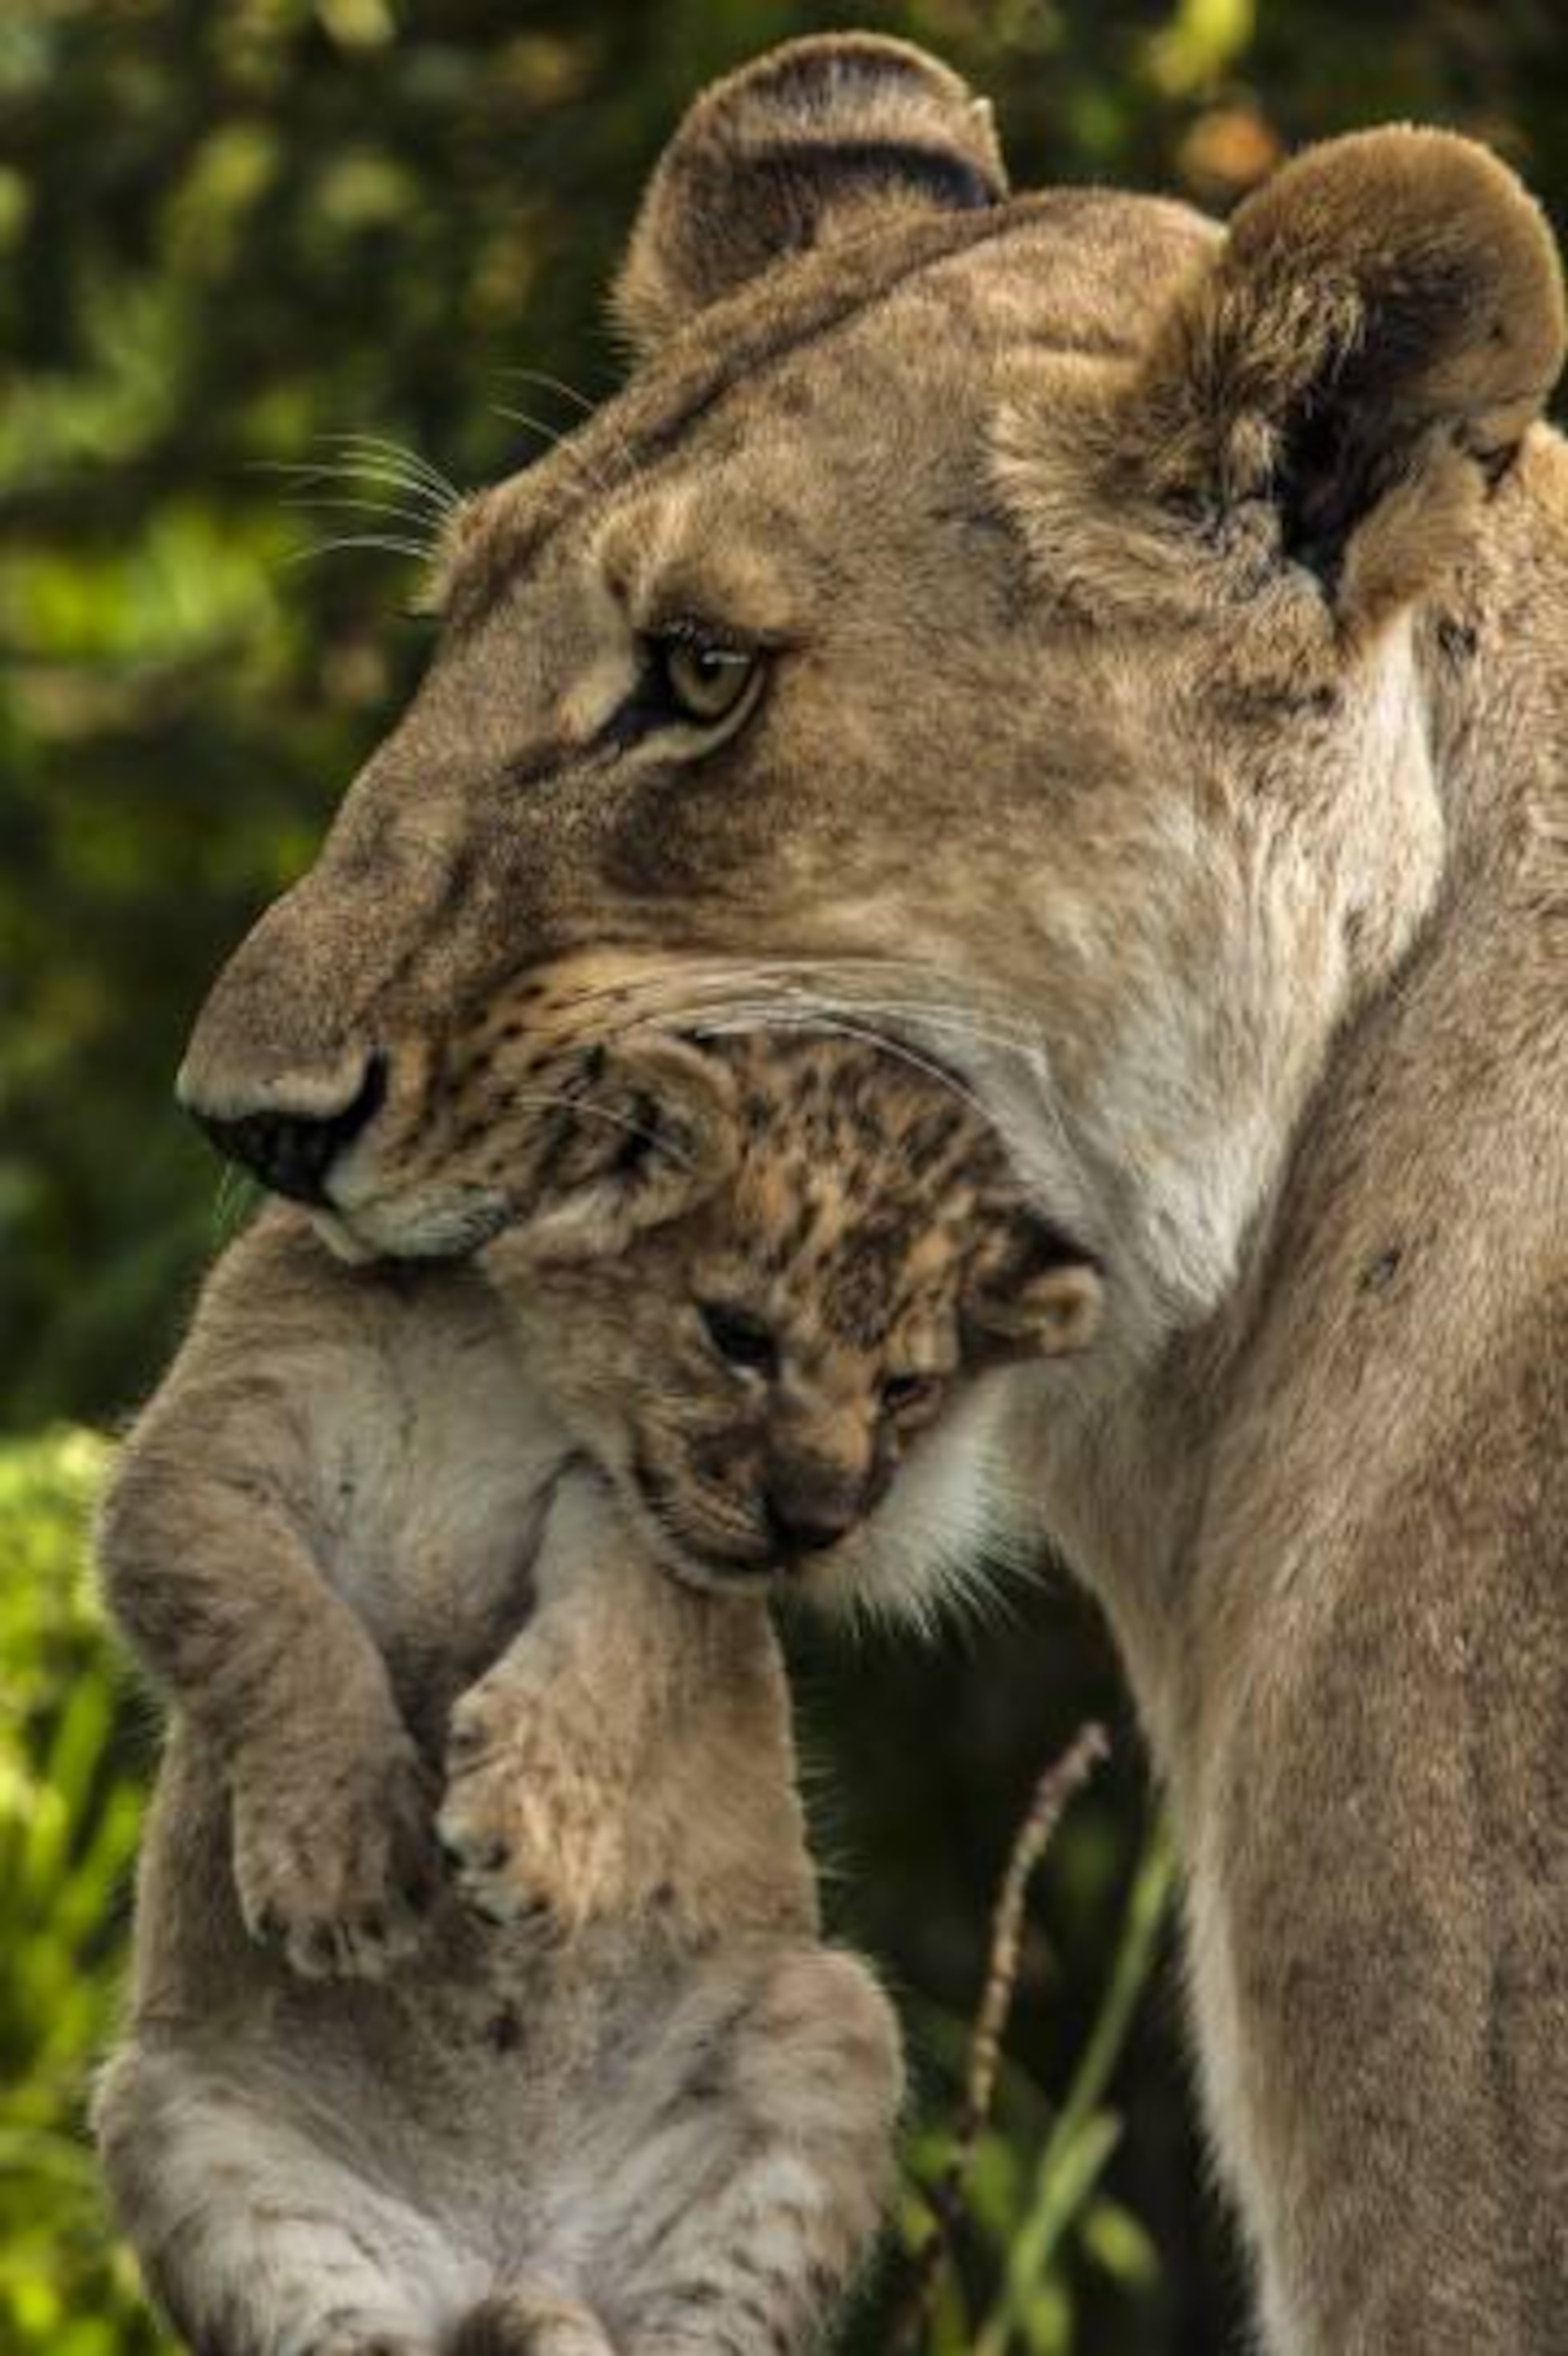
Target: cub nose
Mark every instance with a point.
(810, 1507)
(813, 1535)
(291, 1153)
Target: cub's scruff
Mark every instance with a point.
(610, 2091)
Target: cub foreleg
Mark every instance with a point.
(545, 1817)
(214, 1558)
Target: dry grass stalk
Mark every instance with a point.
(1053, 1794)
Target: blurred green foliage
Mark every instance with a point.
(233, 232)
(70, 1808)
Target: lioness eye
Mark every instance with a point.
(740, 1339)
(704, 680)
(900, 1392)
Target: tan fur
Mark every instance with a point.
(1162, 728)
(610, 2090)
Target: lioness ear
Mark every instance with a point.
(1031, 1294)
(1380, 325)
(653, 1134)
(806, 145)
(1336, 387)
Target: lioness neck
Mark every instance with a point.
(1131, 1488)
(1495, 670)
(1344, 1615)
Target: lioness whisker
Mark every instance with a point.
(955, 1010)
(351, 477)
(561, 444)
(388, 547)
(851, 968)
(766, 1016)
(413, 518)
(692, 988)
(590, 409)
(954, 1020)
(553, 384)
(554, 434)
(544, 1099)
(956, 1026)
(711, 999)
(805, 1007)
(675, 992)
(378, 449)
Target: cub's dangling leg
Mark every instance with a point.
(254, 2239)
(746, 2215)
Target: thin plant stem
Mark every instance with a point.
(1082, 2137)
(1056, 1789)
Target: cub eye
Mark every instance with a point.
(704, 680)
(901, 1392)
(740, 1339)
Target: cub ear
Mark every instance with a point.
(1031, 1294)
(809, 144)
(1382, 323)
(653, 1133)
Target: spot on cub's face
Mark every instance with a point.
(754, 1372)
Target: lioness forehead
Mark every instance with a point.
(1070, 270)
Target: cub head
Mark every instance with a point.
(997, 624)
(783, 1348)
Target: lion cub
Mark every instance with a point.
(598, 2087)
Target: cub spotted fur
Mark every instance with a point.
(610, 2091)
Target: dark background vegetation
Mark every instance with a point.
(229, 230)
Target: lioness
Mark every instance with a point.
(1123, 661)
(610, 2093)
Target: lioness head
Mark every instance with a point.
(991, 624)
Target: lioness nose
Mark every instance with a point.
(292, 1152)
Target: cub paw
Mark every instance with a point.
(530, 1835)
(521, 2323)
(338, 1873)
(372, 2343)
(369, 2343)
